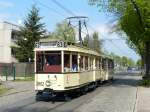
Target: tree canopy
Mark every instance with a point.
(28, 34)
(133, 18)
(63, 32)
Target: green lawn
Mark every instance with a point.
(2, 89)
(24, 79)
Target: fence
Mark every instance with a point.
(11, 71)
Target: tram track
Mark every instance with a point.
(79, 101)
(30, 105)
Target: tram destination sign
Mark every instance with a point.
(52, 44)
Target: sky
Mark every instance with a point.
(15, 11)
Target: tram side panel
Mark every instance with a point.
(71, 80)
(97, 75)
(85, 77)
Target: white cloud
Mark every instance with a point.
(104, 31)
(6, 4)
(4, 16)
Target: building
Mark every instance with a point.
(7, 39)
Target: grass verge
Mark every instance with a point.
(2, 89)
(24, 79)
(145, 82)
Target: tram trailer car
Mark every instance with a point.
(65, 69)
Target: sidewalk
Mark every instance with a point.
(143, 104)
(17, 87)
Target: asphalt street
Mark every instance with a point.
(116, 96)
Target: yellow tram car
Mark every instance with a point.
(62, 68)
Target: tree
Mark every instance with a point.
(133, 19)
(139, 63)
(96, 42)
(93, 42)
(124, 61)
(64, 32)
(30, 33)
(86, 41)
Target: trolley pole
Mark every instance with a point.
(80, 38)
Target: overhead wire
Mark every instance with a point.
(71, 13)
(48, 7)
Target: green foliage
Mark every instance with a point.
(24, 79)
(93, 42)
(86, 41)
(63, 32)
(134, 20)
(139, 63)
(145, 83)
(96, 42)
(123, 61)
(30, 33)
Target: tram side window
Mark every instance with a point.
(111, 64)
(74, 63)
(100, 63)
(97, 63)
(104, 64)
(81, 63)
(39, 61)
(66, 62)
(91, 63)
(86, 63)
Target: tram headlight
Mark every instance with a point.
(48, 83)
(40, 83)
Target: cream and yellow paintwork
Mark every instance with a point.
(67, 81)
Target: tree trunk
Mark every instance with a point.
(147, 60)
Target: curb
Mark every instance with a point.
(136, 101)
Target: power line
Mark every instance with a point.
(121, 51)
(71, 13)
(51, 9)
(55, 11)
(63, 7)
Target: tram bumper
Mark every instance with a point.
(45, 95)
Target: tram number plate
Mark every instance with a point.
(50, 44)
(61, 44)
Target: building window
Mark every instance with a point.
(13, 52)
(14, 35)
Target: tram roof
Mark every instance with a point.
(71, 48)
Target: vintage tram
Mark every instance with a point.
(62, 68)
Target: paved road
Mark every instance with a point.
(119, 96)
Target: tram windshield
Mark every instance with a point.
(48, 62)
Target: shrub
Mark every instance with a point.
(145, 82)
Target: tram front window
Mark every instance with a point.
(48, 62)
